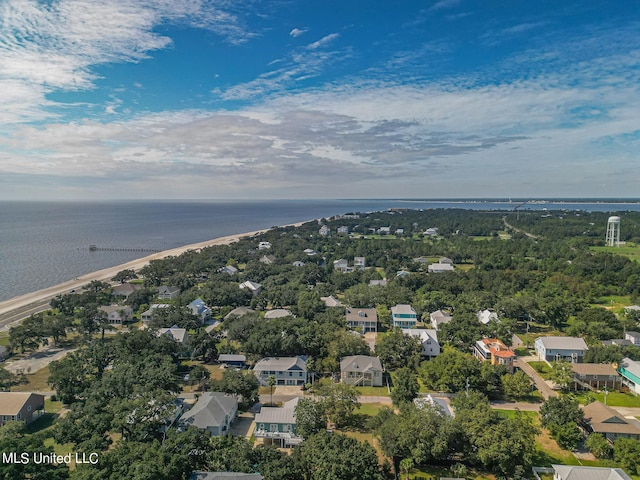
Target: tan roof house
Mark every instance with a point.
(361, 370)
(598, 418)
(18, 406)
(363, 319)
(117, 314)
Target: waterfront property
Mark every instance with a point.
(629, 370)
(361, 370)
(364, 319)
(277, 425)
(552, 349)
(595, 376)
(403, 316)
(428, 338)
(117, 314)
(213, 412)
(285, 370)
(18, 406)
(598, 418)
(494, 351)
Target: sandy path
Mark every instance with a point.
(106, 274)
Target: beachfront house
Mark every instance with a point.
(22, 407)
(364, 320)
(285, 370)
(117, 314)
(553, 348)
(403, 316)
(361, 370)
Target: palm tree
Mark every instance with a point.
(271, 381)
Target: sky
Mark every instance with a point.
(295, 99)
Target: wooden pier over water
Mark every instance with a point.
(95, 248)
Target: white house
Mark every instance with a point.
(361, 370)
(439, 318)
(629, 370)
(117, 314)
(254, 287)
(428, 338)
(286, 370)
(324, 231)
(264, 245)
(486, 316)
(633, 337)
(359, 263)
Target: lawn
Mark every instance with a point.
(614, 399)
(36, 382)
(512, 413)
(542, 368)
(4, 339)
(377, 391)
(629, 250)
(369, 409)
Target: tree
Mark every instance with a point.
(332, 456)
(124, 275)
(452, 371)
(310, 417)
(243, 384)
(626, 451)
(397, 350)
(406, 464)
(339, 400)
(405, 386)
(516, 385)
(560, 410)
(599, 446)
(567, 435)
(205, 345)
(7, 380)
(562, 373)
(271, 381)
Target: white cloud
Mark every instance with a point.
(444, 5)
(323, 41)
(296, 32)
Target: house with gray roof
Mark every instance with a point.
(278, 313)
(587, 376)
(552, 348)
(229, 270)
(238, 312)
(440, 268)
(166, 292)
(403, 316)
(629, 370)
(331, 301)
(200, 309)
(439, 318)
(633, 337)
(361, 370)
(254, 287)
(428, 338)
(363, 319)
(213, 412)
(147, 315)
(573, 472)
(117, 314)
(180, 335)
(286, 370)
(441, 404)
(277, 425)
(125, 289)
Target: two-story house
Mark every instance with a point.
(285, 370)
(363, 319)
(551, 348)
(213, 412)
(629, 370)
(277, 425)
(361, 370)
(428, 338)
(494, 351)
(403, 316)
(18, 406)
(117, 314)
(166, 292)
(200, 309)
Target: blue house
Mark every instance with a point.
(552, 349)
(200, 309)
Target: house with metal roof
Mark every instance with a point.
(166, 292)
(403, 316)
(19, 406)
(439, 318)
(428, 339)
(286, 370)
(213, 412)
(254, 287)
(363, 319)
(573, 472)
(233, 360)
(277, 425)
(551, 348)
(200, 309)
(598, 418)
(361, 370)
(629, 370)
(587, 376)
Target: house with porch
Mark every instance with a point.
(598, 418)
(428, 338)
(361, 370)
(117, 314)
(598, 376)
(286, 370)
(147, 315)
(439, 318)
(213, 412)
(166, 292)
(552, 348)
(629, 370)
(277, 425)
(200, 309)
(18, 406)
(403, 316)
(494, 351)
(363, 319)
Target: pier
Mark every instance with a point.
(95, 248)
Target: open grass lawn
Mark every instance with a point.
(4, 339)
(370, 439)
(215, 371)
(629, 250)
(37, 381)
(512, 413)
(432, 472)
(369, 409)
(52, 407)
(614, 399)
(542, 368)
(380, 391)
(614, 301)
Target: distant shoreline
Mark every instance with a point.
(106, 274)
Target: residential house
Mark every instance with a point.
(364, 319)
(344, 230)
(225, 476)
(324, 231)
(446, 260)
(359, 263)
(117, 314)
(629, 370)
(166, 292)
(254, 287)
(440, 268)
(384, 230)
(264, 245)
(378, 283)
(598, 418)
(342, 265)
(486, 316)
(233, 360)
(229, 270)
(633, 337)
(441, 404)
(595, 375)
(621, 342)
(331, 301)
(421, 260)
(494, 351)
(147, 315)
(268, 259)
(18, 406)
(298, 263)
(439, 318)
(238, 312)
(200, 309)
(428, 338)
(402, 274)
(399, 231)
(361, 370)
(277, 313)
(403, 316)
(213, 412)
(180, 335)
(561, 348)
(125, 289)
(431, 232)
(573, 472)
(277, 425)
(286, 370)
(310, 252)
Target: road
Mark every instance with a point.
(515, 229)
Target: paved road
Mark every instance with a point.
(515, 229)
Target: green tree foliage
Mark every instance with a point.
(405, 386)
(7, 380)
(243, 384)
(626, 452)
(599, 446)
(451, 370)
(568, 435)
(560, 410)
(310, 417)
(517, 385)
(124, 276)
(342, 343)
(332, 456)
(397, 350)
(597, 324)
(339, 400)
(562, 373)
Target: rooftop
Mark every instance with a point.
(360, 363)
(563, 343)
(12, 402)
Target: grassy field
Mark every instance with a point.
(629, 250)
(542, 368)
(614, 399)
(378, 391)
(369, 409)
(36, 382)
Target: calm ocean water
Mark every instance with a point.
(42, 244)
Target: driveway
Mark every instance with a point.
(36, 360)
(543, 387)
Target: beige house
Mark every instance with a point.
(599, 418)
(363, 319)
(117, 314)
(361, 370)
(17, 406)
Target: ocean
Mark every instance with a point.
(46, 243)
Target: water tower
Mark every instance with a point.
(613, 232)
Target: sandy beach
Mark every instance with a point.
(46, 294)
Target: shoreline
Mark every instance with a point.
(106, 274)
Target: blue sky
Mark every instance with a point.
(242, 99)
